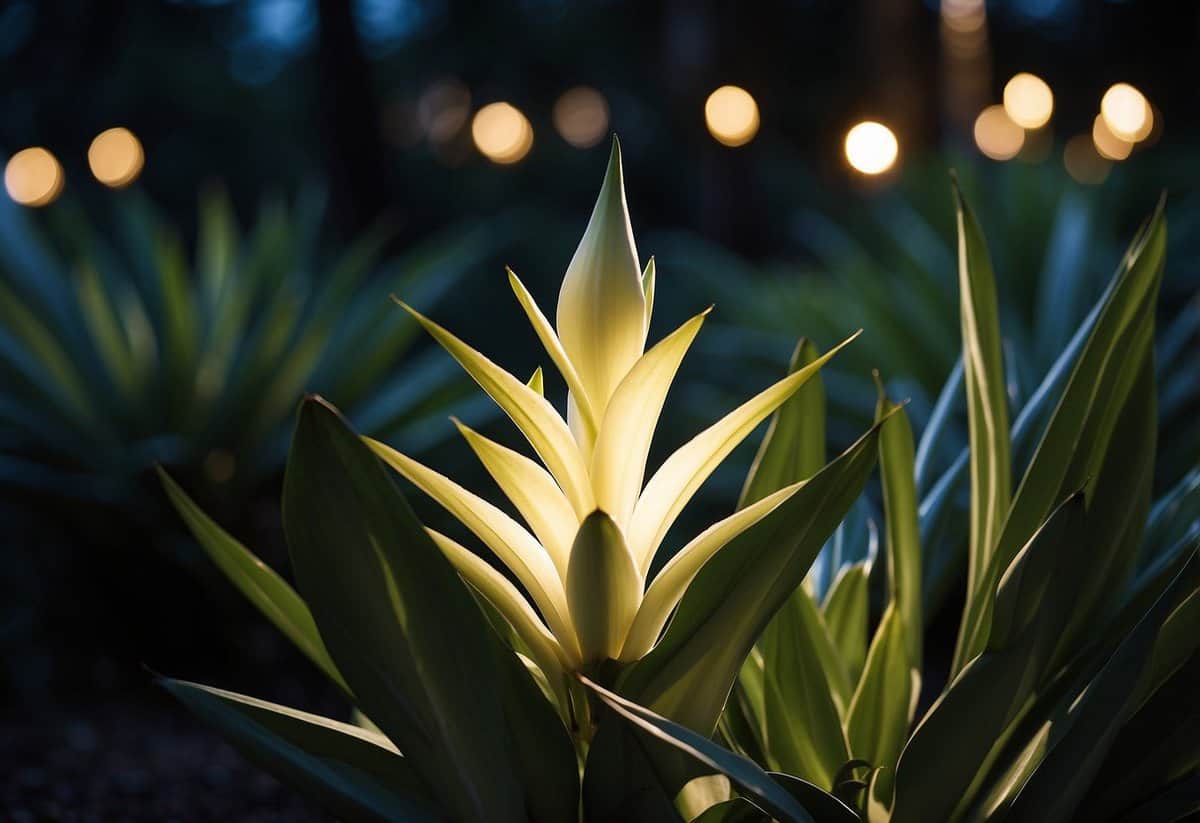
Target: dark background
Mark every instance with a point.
(267, 94)
(266, 97)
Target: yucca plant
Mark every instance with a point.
(584, 690)
(502, 696)
(1078, 635)
(119, 350)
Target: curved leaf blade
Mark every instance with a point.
(348, 770)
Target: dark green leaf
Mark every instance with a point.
(752, 782)
(801, 701)
(269, 592)
(351, 772)
(688, 675)
(1080, 739)
(793, 448)
(900, 518)
(1076, 439)
(886, 698)
(940, 761)
(417, 653)
(987, 406)
(845, 615)
(823, 806)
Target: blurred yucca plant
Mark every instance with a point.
(1078, 634)
(119, 350)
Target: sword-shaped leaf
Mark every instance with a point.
(418, 655)
(351, 772)
(673, 485)
(688, 675)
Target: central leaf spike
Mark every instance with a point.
(601, 307)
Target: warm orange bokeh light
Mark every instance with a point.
(502, 133)
(116, 157)
(1028, 101)
(33, 177)
(1127, 113)
(871, 147)
(996, 135)
(732, 116)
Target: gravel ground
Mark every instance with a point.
(129, 761)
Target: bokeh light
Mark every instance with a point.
(731, 115)
(1127, 113)
(964, 16)
(1083, 162)
(996, 135)
(33, 177)
(502, 133)
(1108, 144)
(443, 109)
(116, 157)
(1028, 101)
(581, 116)
(871, 147)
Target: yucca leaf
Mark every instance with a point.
(805, 691)
(752, 782)
(546, 334)
(532, 413)
(181, 336)
(806, 685)
(673, 579)
(648, 290)
(385, 603)
(537, 382)
(896, 465)
(1120, 501)
(885, 699)
(824, 807)
(601, 316)
(987, 407)
(509, 541)
(349, 771)
(1079, 741)
(533, 492)
(216, 248)
(603, 588)
(1156, 747)
(688, 675)
(741, 726)
(845, 613)
(669, 490)
(260, 584)
(937, 505)
(618, 465)
(511, 605)
(52, 369)
(103, 321)
(1076, 438)
(1032, 606)
(793, 448)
